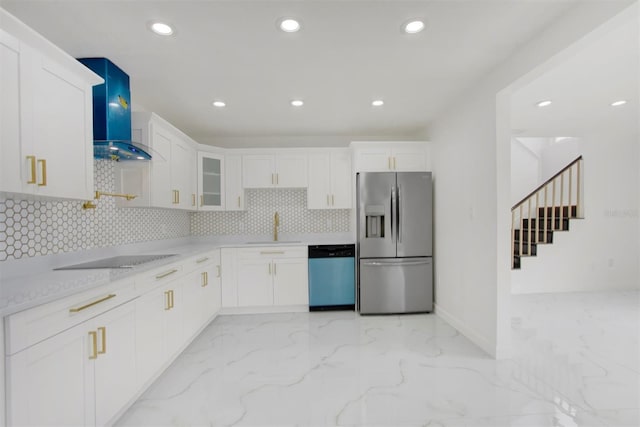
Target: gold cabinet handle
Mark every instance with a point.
(93, 336)
(394, 164)
(238, 201)
(103, 330)
(168, 273)
(201, 260)
(204, 279)
(328, 203)
(219, 271)
(193, 199)
(389, 162)
(178, 198)
(168, 300)
(32, 164)
(43, 166)
(91, 304)
(202, 200)
(171, 297)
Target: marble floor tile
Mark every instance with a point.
(575, 363)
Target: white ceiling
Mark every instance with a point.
(347, 54)
(582, 89)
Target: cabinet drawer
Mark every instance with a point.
(272, 252)
(158, 277)
(200, 261)
(31, 326)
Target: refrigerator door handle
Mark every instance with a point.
(394, 263)
(399, 215)
(393, 209)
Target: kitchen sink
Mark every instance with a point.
(279, 242)
(122, 261)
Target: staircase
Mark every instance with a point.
(547, 209)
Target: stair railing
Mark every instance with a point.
(565, 189)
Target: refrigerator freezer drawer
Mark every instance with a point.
(396, 285)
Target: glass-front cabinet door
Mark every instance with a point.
(210, 185)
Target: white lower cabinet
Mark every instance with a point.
(201, 293)
(158, 328)
(266, 276)
(82, 376)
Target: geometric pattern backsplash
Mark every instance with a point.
(34, 228)
(257, 219)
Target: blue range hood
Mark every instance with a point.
(112, 113)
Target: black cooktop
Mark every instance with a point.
(122, 261)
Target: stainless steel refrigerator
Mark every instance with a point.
(395, 242)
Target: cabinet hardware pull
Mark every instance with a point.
(168, 300)
(201, 260)
(178, 200)
(32, 161)
(328, 203)
(171, 297)
(43, 164)
(333, 200)
(271, 252)
(394, 164)
(219, 271)
(104, 339)
(204, 279)
(91, 304)
(389, 161)
(93, 336)
(193, 199)
(202, 200)
(168, 273)
(238, 201)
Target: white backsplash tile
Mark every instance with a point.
(257, 219)
(34, 228)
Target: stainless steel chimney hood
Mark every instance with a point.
(112, 113)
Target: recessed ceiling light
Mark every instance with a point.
(414, 26)
(297, 103)
(219, 104)
(618, 103)
(161, 28)
(377, 103)
(289, 25)
(545, 103)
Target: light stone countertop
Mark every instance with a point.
(30, 282)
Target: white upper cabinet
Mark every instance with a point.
(330, 179)
(391, 156)
(210, 181)
(233, 191)
(168, 180)
(46, 133)
(283, 169)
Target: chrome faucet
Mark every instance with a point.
(276, 223)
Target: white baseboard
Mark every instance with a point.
(473, 335)
(265, 309)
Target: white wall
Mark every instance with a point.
(525, 171)
(557, 155)
(471, 152)
(600, 252)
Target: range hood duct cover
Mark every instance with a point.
(112, 113)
